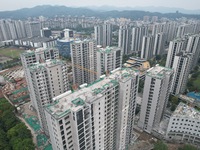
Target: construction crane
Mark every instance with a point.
(75, 86)
(82, 68)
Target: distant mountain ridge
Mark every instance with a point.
(149, 8)
(45, 10)
(51, 11)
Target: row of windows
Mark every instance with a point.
(186, 120)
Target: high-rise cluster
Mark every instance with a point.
(97, 111)
(182, 56)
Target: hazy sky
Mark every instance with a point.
(16, 4)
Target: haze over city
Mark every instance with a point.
(190, 5)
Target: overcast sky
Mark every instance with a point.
(16, 4)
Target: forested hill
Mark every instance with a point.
(52, 11)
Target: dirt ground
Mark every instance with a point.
(173, 146)
(146, 142)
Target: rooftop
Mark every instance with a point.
(49, 63)
(108, 49)
(73, 101)
(37, 39)
(186, 111)
(159, 72)
(82, 41)
(38, 50)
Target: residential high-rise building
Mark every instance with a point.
(157, 85)
(103, 34)
(171, 30)
(147, 47)
(83, 55)
(181, 66)
(175, 47)
(5, 31)
(97, 116)
(108, 59)
(30, 57)
(193, 47)
(196, 28)
(185, 29)
(159, 45)
(32, 29)
(158, 28)
(124, 40)
(184, 125)
(11, 29)
(47, 80)
(20, 29)
(168, 28)
(137, 37)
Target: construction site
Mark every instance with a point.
(14, 89)
(15, 86)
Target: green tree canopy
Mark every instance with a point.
(14, 135)
(160, 146)
(4, 144)
(188, 147)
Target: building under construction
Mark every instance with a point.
(15, 88)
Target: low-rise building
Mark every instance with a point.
(138, 63)
(184, 125)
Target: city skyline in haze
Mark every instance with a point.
(185, 4)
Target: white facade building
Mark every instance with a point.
(32, 29)
(181, 66)
(47, 80)
(103, 34)
(155, 97)
(137, 36)
(193, 47)
(98, 116)
(30, 57)
(108, 59)
(20, 29)
(124, 39)
(184, 125)
(175, 47)
(185, 29)
(83, 55)
(147, 47)
(159, 44)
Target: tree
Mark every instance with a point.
(9, 120)
(196, 68)
(158, 57)
(20, 131)
(4, 143)
(13, 134)
(160, 146)
(173, 107)
(195, 75)
(26, 144)
(174, 100)
(188, 147)
(20, 137)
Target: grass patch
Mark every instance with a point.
(11, 52)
